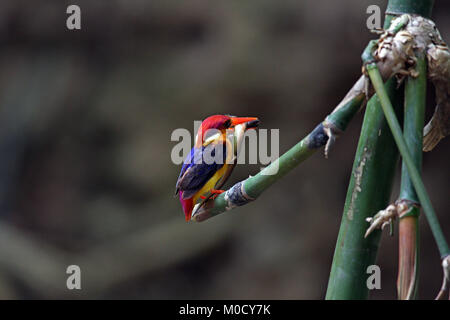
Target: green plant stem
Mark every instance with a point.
(415, 94)
(414, 112)
(368, 192)
(414, 174)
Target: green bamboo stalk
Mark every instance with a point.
(414, 111)
(368, 192)
(414, 174)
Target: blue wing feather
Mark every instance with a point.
(195, 172)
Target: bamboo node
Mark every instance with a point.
(333, 133)
(236, 196)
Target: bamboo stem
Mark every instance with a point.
(368, 191)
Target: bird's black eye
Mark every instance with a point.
(227, 124)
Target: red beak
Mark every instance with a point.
(236, 121)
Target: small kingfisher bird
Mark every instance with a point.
(199, 177)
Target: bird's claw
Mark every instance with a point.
(216, 193)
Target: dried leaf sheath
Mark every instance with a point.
(408, 250)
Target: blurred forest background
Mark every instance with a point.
(85, 124)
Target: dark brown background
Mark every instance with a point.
(85, 124)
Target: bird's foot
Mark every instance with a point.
(216, 193)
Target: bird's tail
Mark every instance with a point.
(188, 205)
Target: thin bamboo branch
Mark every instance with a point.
(249, 189)
(415, 93)
(323, 135)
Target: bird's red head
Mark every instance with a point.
(220, 122)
